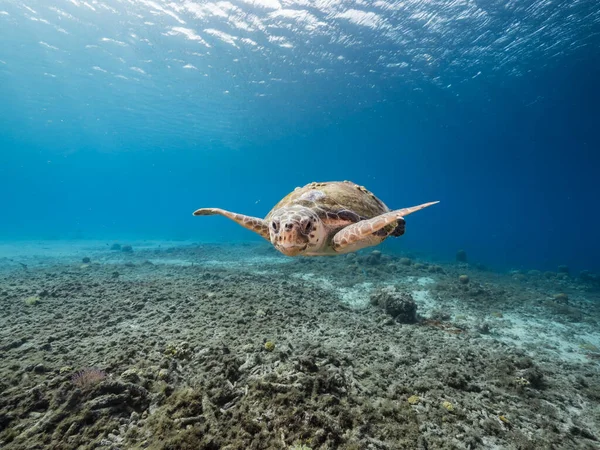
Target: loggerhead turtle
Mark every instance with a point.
(329, 218)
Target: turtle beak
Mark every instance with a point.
(291, 249)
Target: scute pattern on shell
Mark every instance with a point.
(337, 201)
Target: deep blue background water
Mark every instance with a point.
(508, 141)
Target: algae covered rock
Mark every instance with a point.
(181, 350)
(269, 346)
(32, 301)
(400, 305)
(374, 258)
(561, 298)
(131, 376)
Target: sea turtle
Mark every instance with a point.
(329, 218)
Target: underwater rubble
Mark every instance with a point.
(236, 347)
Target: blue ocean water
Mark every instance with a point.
(119, 118)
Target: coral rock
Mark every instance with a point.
(399, 305)
(563, 269)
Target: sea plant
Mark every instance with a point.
(88, 377)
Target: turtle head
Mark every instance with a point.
(296, 230)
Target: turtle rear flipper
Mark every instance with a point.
(400, 228)
(255, 224)
(365, 229)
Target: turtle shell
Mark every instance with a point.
(337, 203)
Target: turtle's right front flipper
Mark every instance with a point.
(364, 229)
(255, 224)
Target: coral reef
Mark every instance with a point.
(178, 350)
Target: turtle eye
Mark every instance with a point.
(275, 226)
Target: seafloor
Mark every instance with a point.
(235, 347)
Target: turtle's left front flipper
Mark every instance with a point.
(365, 228)
(255, 224)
